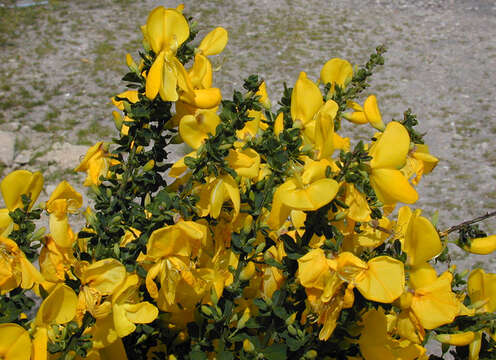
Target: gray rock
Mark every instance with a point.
(23, 157)
(65, 155)
(7, 144)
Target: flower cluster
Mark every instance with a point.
(275, 237)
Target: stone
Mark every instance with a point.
(65, 155)
(7, 145)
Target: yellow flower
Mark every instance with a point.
(482, 289)
(96, 163)
(63, 200)
(370, 113)
(418, 163)
(273, 277)
(246, 162)
(336, 72)
(15, 343)
(214, 42)
(421, 241)
(55, 261)
(99, 280)
(215, 193)
(388, 155)
(127, 310)
(358, 207)
(482, 246)
(58, 308)
(376, 344)
(307, 192)
(194, 129)
(15, 269)
(166, 30)
(433, 302)
(168, 258)
(18, 183)
(314, 117)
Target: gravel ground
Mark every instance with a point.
(61, 62)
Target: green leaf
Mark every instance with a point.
(225, 355)
(276, 352)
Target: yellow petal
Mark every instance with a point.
(65, 191)
(244, 162)
(391, 186)
(372, 113)
(324, 129)
(279, 124)
(58, 308)
(155, 76)
(6, 223)
(358, 207)
(104, 275)
(214, 42)
(141, 313)
(232, 191)
(167, 241)
(15, 343)
(306, 99)
(357, 117)
(200, 73)
(422, 276)
(483, 245)
(422, 241)
(383, 281)
(279, 212)
(435, 304)
(336, 71)
(391, 149)
(168, 84)
(313, 269)
(204, 98)
(195, 129)
(20, 182)
(459, 339)
(166, 28)
(130, 95)
(113, 351)
(123, 326)
(183, 80)
(176, 29)
(482, 287)
(316, 195)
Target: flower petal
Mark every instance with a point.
(391, 149)
(383, 281)
(214, 42)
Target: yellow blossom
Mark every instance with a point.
(165, 31)
(96, 163)
(63, 200)
(388, 155)
(336, 72)
(15, 343)
(15, 269)
(18, 183)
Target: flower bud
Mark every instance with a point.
(149, 165)
(248, 346)
(311, 354)
(482, 246)
(291, 319)
(460, 339)
(247, 272)
(117, 120)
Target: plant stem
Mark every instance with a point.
(466, 223)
